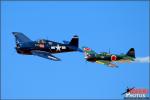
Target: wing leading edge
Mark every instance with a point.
(45, 55)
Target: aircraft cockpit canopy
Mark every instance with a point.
(105, 53)
(41, 41)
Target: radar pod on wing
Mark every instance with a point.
(44, 48)
(107, 58)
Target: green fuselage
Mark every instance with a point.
(109, 57)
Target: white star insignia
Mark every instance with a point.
(58, 47)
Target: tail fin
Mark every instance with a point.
(74, 41)
(20, 37)
(89, 53)
(131, 53)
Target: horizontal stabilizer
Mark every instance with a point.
(66, 42)
(75, 48)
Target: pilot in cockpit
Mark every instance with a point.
(42, 41)
(104, 53)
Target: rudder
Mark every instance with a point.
(131, 53)
(74, 41)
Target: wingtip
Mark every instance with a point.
(58, 59)
(15, 33)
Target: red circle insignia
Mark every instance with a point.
(113, 58)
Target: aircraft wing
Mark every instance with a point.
(44, 54)
(108, 63)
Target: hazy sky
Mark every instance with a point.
(99, 25)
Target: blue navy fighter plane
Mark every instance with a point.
(44, 48)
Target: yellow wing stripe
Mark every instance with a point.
(100, 62)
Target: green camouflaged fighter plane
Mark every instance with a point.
(107, 58)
